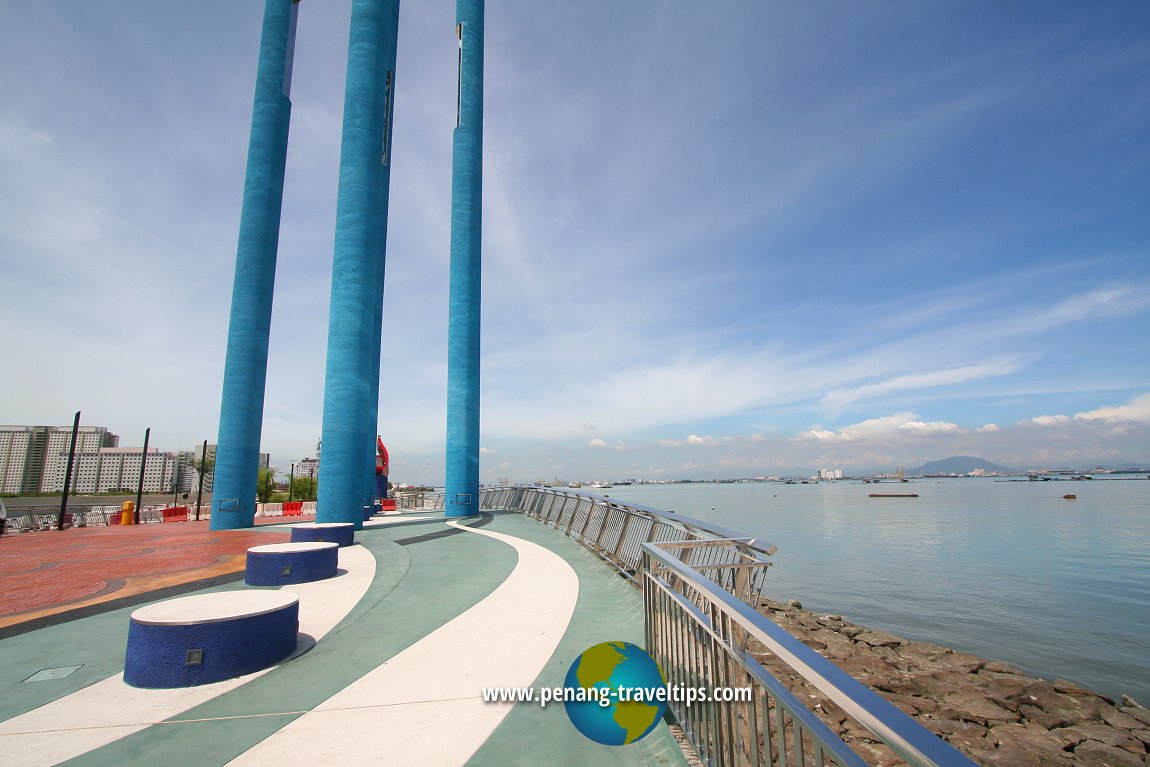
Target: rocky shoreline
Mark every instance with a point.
(990, 710)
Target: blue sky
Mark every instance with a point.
(721, 239)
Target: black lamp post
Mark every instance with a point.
(203, 466)
(176, 483)
(68, 473)
(143, 463)
(291, 482)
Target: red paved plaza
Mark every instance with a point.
(42, 573)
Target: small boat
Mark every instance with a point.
(1070, 497)
(894, 495)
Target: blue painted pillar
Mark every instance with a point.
(462, 491)
(246, 364)
(351, 386)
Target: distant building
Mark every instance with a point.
(830, 474)
(29, 454)
(308, 467)
(190, 476)
(187, 478)
(113, 468)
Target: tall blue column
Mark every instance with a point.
(246, 364)
(462, 491)
(351, 386)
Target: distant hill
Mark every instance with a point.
(959, 464)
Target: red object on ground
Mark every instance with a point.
(388, 504)
(293, 508)
(174, 514)
(95, 564)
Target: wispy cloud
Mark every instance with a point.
(839, 398)
(769, 253)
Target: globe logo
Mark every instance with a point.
(624, 693)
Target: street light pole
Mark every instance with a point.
(176, 483)
(291, 482)
(68, 473)
(143, 462)
(203, 466)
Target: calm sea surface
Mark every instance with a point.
(1006, 570)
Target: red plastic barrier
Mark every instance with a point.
(293, 508)
(174, 514)
(388, 504)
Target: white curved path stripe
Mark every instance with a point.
(391, 520)
(109, 710)
(425, 705)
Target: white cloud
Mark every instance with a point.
(695, 439)
(884, 428)
(989, 428)
(1048, 420)
(822, 435)
(596, 444)
(1137, 409)
(883, 425)
(486, 451)
(921, 427)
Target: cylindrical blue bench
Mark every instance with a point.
(207, 638)
(275, 564)
(342, 533)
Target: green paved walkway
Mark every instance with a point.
(421, 582)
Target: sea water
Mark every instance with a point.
(1003, 569)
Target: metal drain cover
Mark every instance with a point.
(52, 673)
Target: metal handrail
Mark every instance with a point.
(38, 518)
(702, 587)
(697, 629)
(418, 501)
(616, 531)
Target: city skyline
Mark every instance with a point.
(757, 239)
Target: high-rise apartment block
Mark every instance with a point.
(113, 468)
(307, 467)
(29, 454)
(191, 460)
